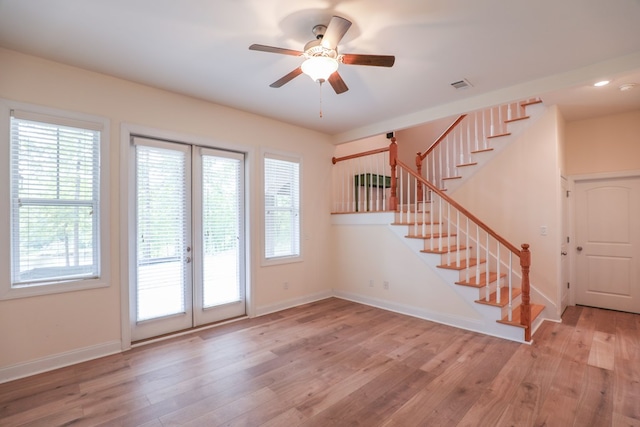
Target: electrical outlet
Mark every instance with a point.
(285, 286)
(385, 285)
(371, 283)
(543, 230)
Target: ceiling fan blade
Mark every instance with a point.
(271, 49)
(374, 60)
(336, 29)
(337, 83)
(286, 79)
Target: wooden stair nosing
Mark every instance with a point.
(484, 150)
(504, 297)
(536, 309)
(527, 103)
(444, 250)
(517, 119)
(464, 263)
(451, 177)
(429, 236)
(499, 135)
(466, 164)
(474, 283)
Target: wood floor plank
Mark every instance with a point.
(336, 363)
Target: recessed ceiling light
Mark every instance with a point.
(602, 83)
(627, 86)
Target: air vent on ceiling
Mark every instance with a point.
(462, 84)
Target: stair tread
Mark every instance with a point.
(482, 282)
(466, 164)
(429, 236)
(533, 102)
(504, 297)
(536, 309)
(498, 135)
(444, 249)
(484, 150)
(464, 263)
(517, 119)
(451, 177)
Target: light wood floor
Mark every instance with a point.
(337, 363)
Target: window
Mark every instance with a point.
(281, 207)
(55, 212)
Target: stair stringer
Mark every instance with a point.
(488, 315)
(497, 144)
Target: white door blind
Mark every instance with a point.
(54, 202)
(221, 229)
(161, 231)
(282, 208)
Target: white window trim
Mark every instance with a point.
(291, 157)
(6, 290)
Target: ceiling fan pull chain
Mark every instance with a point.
(321, 81)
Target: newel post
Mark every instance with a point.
(393, 158)
(419, 169)
(525, 307)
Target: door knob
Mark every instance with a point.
(563, 253)
(579, 248)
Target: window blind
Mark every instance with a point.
(282, 207)
(54, 201)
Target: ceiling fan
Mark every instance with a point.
(322, 57)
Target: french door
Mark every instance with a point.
(189, 225)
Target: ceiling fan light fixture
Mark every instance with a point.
(319, 68)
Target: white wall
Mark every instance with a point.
(603, 144)
(50, 329)
(367, 250)
(519, 192)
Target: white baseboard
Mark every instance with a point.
(474, 325)
(283, 305)
(59, 360)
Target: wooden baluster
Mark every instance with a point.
(525, 307)
(415, 203)
(393, 158)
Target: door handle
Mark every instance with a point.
(579, 248)
(563, 253)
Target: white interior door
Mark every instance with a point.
(607, 246)
(189, 249)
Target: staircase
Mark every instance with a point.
(460, 263)
(472, 140)
(489, 272)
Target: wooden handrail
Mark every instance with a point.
(335, 160)
(441, 137)
(462, 210)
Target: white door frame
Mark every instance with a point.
(572, 181)
(127, 215)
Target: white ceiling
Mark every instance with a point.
(506, 49)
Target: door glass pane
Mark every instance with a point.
(161, 232)
(221, 227)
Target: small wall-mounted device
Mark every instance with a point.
(389, 135)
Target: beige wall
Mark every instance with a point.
(604, 144)
(419, 138)
(519, 192)
(44, 327)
